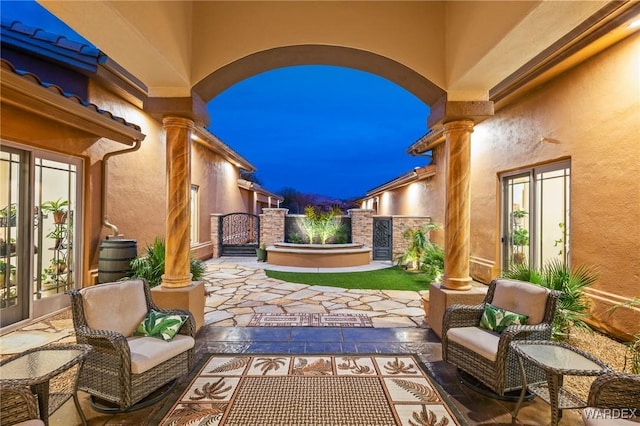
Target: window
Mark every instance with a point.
(535, 218)
(194, 214)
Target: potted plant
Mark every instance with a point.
(518, 215)
(4, 269)
(261, 253)
(57, 234)
(58, 208)
(8, 216)
(520, 240)
(58, 266)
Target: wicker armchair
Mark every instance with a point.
(18, 406)
(614, 398)
(124, 369)
(486, 355)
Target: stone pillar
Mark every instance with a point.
(272, 226)
(457, 212)
(215, 234)
(177, 258)
(362, 228)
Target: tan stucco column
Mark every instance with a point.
(457, 212)
(177, 258)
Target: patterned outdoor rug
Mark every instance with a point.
(329, 390)
(310, 320)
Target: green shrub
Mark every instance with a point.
(419, 246)
(151, 265)
(432, 261)
(572, 307)
(633, 346)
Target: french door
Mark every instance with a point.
(39, 226)
(535, 215)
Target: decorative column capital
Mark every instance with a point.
(445, 111)
(458, 126)
(174, 121)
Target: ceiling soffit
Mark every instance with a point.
(463, 48)
(151, 40)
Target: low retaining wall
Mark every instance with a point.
(318, 255)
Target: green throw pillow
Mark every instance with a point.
(497, 319)
(160, 325)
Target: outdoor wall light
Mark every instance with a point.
(548, 140)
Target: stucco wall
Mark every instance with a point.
(593, 112)
(136, 195)
(218, 190)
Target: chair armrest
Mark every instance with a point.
(18, 403)
(462, 316)
(522, 332)
(615, 390)
(189, 326)
(103, 340)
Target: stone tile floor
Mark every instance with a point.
(233, 287)
(238, 288)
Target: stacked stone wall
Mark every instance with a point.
(272, 226)
(362, 227)
(215, 235)
(400, 225)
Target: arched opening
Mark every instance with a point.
(314, 54)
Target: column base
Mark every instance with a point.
(190, 297)
(176, 282)
(440, 298)
(460, 284)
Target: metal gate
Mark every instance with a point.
(239, 234)
(382, 241)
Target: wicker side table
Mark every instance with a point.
(38, 366)
(557, 360)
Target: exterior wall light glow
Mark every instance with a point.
(635, 23)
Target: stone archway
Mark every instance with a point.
(316, 54)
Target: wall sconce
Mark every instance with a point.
(548, 140)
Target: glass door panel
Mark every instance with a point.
(516, 221)
(552, 215)
(56, 200)
(14, 221)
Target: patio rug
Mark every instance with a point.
(328, 390)
(310, 320)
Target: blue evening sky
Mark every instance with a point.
(318, 129)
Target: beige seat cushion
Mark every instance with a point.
(522, 298)
(119, 306)
(599, 417)
(477, 340)
(147, 352)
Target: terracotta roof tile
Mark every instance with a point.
(4, 64)
(42, 35)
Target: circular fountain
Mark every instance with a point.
(319, 255)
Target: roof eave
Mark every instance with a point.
(26, 93)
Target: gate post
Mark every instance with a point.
(272, 226)
(215, 234)
(362, 227)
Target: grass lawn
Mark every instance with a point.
(393, 278)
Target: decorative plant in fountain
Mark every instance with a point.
(322, 227)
